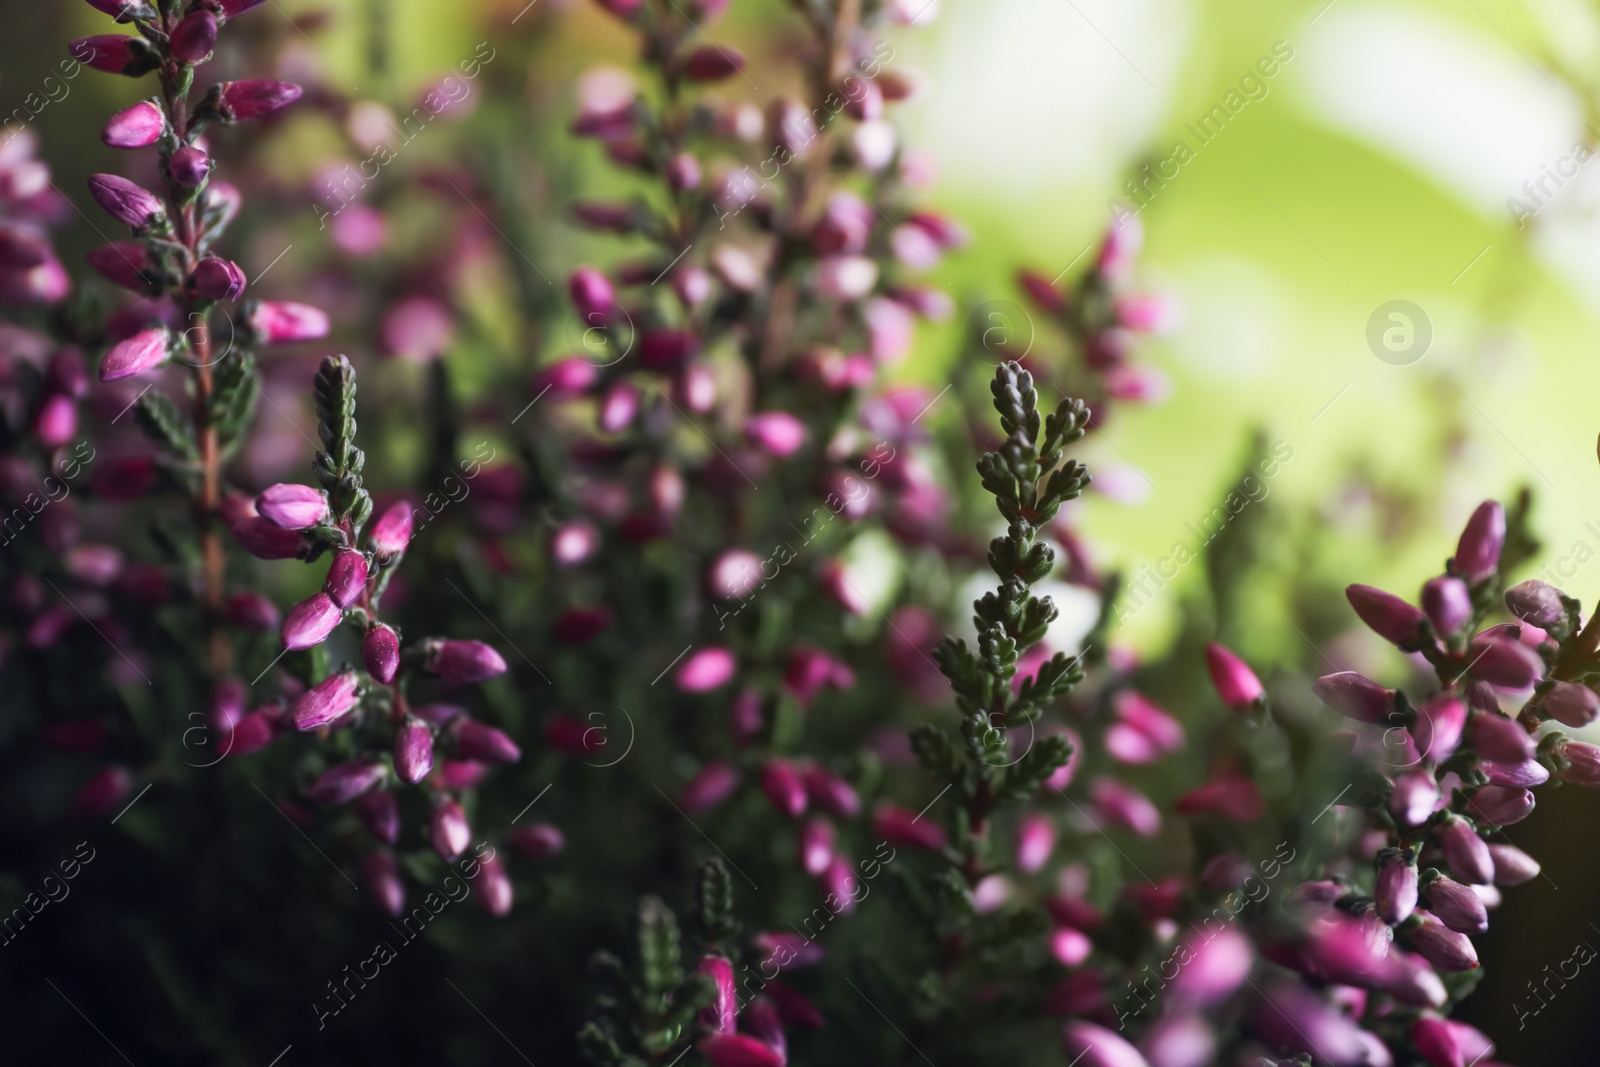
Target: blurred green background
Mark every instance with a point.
(1376, 164)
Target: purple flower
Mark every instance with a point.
(713, 783)
(326, 702)
(347, 781)
(1396, 894)
(592, 295)
(189, 166)
(1536, 603)
(120, 9)
(1089, 1045)
(830, 792)
(1435, 1043)
(392, 532)
(1439, 725)
(309, 622)
(1447, 602)
(413, 752)
(495, 889)
(194, 37)
(777, 433)
(479, 741)
(1465, 851)
(1529, 772)
(266, 540)
(347, 577)
(251, 611)
(1441, 946)
(736, 1050)
(449, 831)
(281, 322)
(536, 841)
(566, 378)
(1389, 616)
(1124, 807)
(1498, 738)
(380, 653)
(900, 826)
(1216, 963)
(381, 872)
(379, 812)
(1456, 905)
(241, 101)
(1478, 552)
(1121, 248)
(138, 126)
(816, 843)
(101, 794)
(712, 63)
(126, 202)
(780, 781)
(1571, 704)
(1505, 663)
(113, 53)
(218, 279)
(705, 670)
(144, 351)
(464, 661)
(1579, 762)
(1510, 865)
(292, 506)
(1414, 799)
(721, 1013)
(1355, 696)
(126, 263)
(1236, 683)
(1501, 805)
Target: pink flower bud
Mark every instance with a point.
(1124, 807)
(1069, 946)
(479, 741)
(495, 890)
(777, 433)
(1236, 683)
(537, 841)
(142, 352)
(1478, 552)
(734, 575)
(380, 653)
(265, 540)
(1435, 1043)
(666, 349)
(1496, 737)
(309, 622)
(1232, 797)
(1121, 248)
(1529, 772)
(1036, 839)
(840, 883)
(381, 873)
(618, 407)
(566, 378)
(379, 812)
(816, 845)
(1147, 314)
(900, 826)
(1504, 663)
(126, 202)
(1439, 726)
(1414, 799)
(241, 101)
(121, 9)
(113, 53)
(448, 831)
(780, 781)
(711, 785)
(101, 795)
(282, 322)
(218, 279)
(1536, 603)
(292, 506)
(573, 543)
(326, 702)
(1571, 704)
(1456, 905)
(138, 126)
(848, 277)
(1442, 946)
(1448, 603)
(232, 9)
(1088, 1045)
(347, 577)
(250, 734)
(1464, 850)
(189, 167)
(413, 752)
(1217, 963)
(831, 793)
(343, 783)
(1392, 618)
(723, 1010)
(253, 612)
(592, 295)
(1579, 762)
(392, 532)
(194, 37)
(736, 1050)
(126, 263)
(57, 420)
(464, 661)
(712, 63)
(1396, 894)
(1509, 865)
(1357, 697)
(705, 670)
(1180, 1039)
